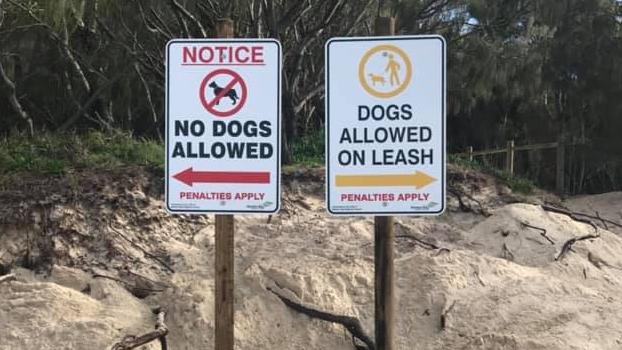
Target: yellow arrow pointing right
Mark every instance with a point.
(418, 180)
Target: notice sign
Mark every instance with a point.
(223, 126)
(385, 120)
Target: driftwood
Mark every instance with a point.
(569, 243)
(542, 232)
(353, 325)
(143, 250)
(7, 278)
(132, 342)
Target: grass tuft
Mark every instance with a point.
(48, 154)
(51, 154)
(516, 183)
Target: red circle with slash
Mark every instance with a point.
(223, 92)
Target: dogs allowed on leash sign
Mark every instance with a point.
(223, 121)
(385, 125)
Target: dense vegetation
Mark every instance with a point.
(528, 70)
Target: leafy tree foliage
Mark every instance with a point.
(528, 70)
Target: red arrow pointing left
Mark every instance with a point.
(190, 177)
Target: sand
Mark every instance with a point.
(496, 282)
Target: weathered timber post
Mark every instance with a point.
(384, 237)
(509, 158)
(560, 171)
(224, 262)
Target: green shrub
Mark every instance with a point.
(309, 149)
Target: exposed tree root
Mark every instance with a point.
(569, 243)
(353, 325)
(143, 250)
(132, 342)
(602, 221)
(420, 242)
(542, 232)
(467, 208)
(572, 215)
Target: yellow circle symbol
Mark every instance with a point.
(389, 75)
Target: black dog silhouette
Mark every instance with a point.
(232, 94)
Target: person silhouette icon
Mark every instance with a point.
(393, 68)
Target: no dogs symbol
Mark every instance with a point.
(223, 93)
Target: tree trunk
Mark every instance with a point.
(289, 115)
(14, 101)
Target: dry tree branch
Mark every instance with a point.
(152, 25)
(311, 94)
(185, 31)
(294, 14)
(132, 342)
(63, 42)
(82, 110)
(353, 325)
(154, 114)
(178, 7)
(165, 28)
(359, 18)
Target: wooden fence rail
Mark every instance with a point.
(511, 149)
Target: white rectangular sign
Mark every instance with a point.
(385, 120)
(223, 112)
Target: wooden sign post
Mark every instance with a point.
(225, 247)
(223, 297)
(218, 89)
(393, 83)
(384, 281)
(384, 237)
